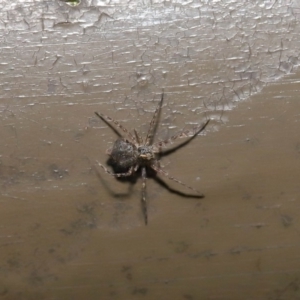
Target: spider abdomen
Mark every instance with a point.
(124, 153)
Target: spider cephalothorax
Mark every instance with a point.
(131, 152)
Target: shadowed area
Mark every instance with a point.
(70, 231)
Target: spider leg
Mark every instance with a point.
(109, 120)
(126, 174)
(188, 133)
(144, 203)
(138, 137)
(162, 172)
(153, 122)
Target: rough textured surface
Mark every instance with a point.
(70, 232)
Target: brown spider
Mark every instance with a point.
(131, 152)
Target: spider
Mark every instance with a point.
(131, 152)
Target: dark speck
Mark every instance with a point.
(58, 173)
(286, 220)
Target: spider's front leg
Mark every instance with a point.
(109, 120)
(190, 134)
(126, 174)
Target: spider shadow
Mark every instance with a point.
(170, 151)
(151, 174)
(130, 179)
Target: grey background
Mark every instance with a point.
(68, 230)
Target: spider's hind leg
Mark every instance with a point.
(190, 134)
(125, 174)
(162, 172)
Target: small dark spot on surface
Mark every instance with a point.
(39, 176)
(61, 259)
(13, 262)
(78, 135)
(112, 293)
(258, 264)
(38, 277)
(126, 268)
(247, 196)
(35, 226)
(127, 271)
(3, 290)
(35, 278)
(237, 250)
(129, 276)
(141, 291)
(79, 225)
(207, 254)
(163, 258)
(298, 147)
(86, 208)
(10, 175)
(255, 225)
(58, 173)
(252, 141)
(204, 222)
(188, 297)
(93, 122)
(258, 225)
(180, 247)
(289, 291)
(286, 220)
(66, 231)
(52, 85)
